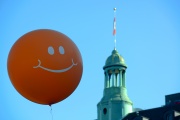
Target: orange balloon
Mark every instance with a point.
(45, 66)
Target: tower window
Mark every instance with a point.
(104, 111)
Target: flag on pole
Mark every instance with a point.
(114, 26)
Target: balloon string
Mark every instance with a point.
(51, 112)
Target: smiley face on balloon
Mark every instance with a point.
(51, 52)
(45, 66)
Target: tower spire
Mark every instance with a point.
(114, 28)
(115, 103)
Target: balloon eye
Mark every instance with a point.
(50, 50)
(61, 50)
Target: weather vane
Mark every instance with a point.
(114, 28)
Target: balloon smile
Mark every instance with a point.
(55, 71)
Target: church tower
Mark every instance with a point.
(115, 103)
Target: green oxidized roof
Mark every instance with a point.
(115, 59)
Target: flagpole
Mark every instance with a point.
(114, 28)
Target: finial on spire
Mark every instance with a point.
(114, 28)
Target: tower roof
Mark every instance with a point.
(115, 59)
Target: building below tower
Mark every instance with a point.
(170, 111)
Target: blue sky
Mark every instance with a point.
(148, 37)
